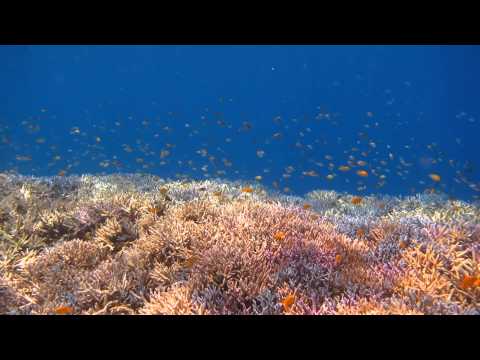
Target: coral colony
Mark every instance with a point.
(137, 244)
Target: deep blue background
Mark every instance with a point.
(419, 95)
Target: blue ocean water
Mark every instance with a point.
(300, 117)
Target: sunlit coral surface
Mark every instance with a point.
(137, 244)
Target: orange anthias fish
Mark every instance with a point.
(247, 189)
(288, 301)
(469, 282)
(307, 206)
(154, 210)
(435, 177)
(338, 259)
(190, 262)
(362, 173)
(356, 200)
(279, 235)
(63, 310)
(403, 244)
(360, 232)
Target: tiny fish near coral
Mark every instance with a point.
(64, 310)
(288, 301)
(247, 189)
(356, 200)
(469, 282)
(338, 259)
(279, 235)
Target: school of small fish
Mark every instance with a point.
(366, 162)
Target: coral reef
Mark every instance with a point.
(139, 244)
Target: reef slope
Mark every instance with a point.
(138, 244)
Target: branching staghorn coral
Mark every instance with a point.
(138, 244)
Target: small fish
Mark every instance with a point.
(246, 126)
(75, 130)
(307, 206)
(164, 154)
(247, 189)
(277, 135)
(311, 173)
(435, 177)
(356, 200)
(23, 158)
(360, 232)
(361, 163)
(403, 244)
(61, 173)
(288, 301)
(154, 210)
(469, 282)
(362, 173)
(190, 262)
(338, 259)
(344, 168)
(63, 310)
(258, 178)
(279, 235)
